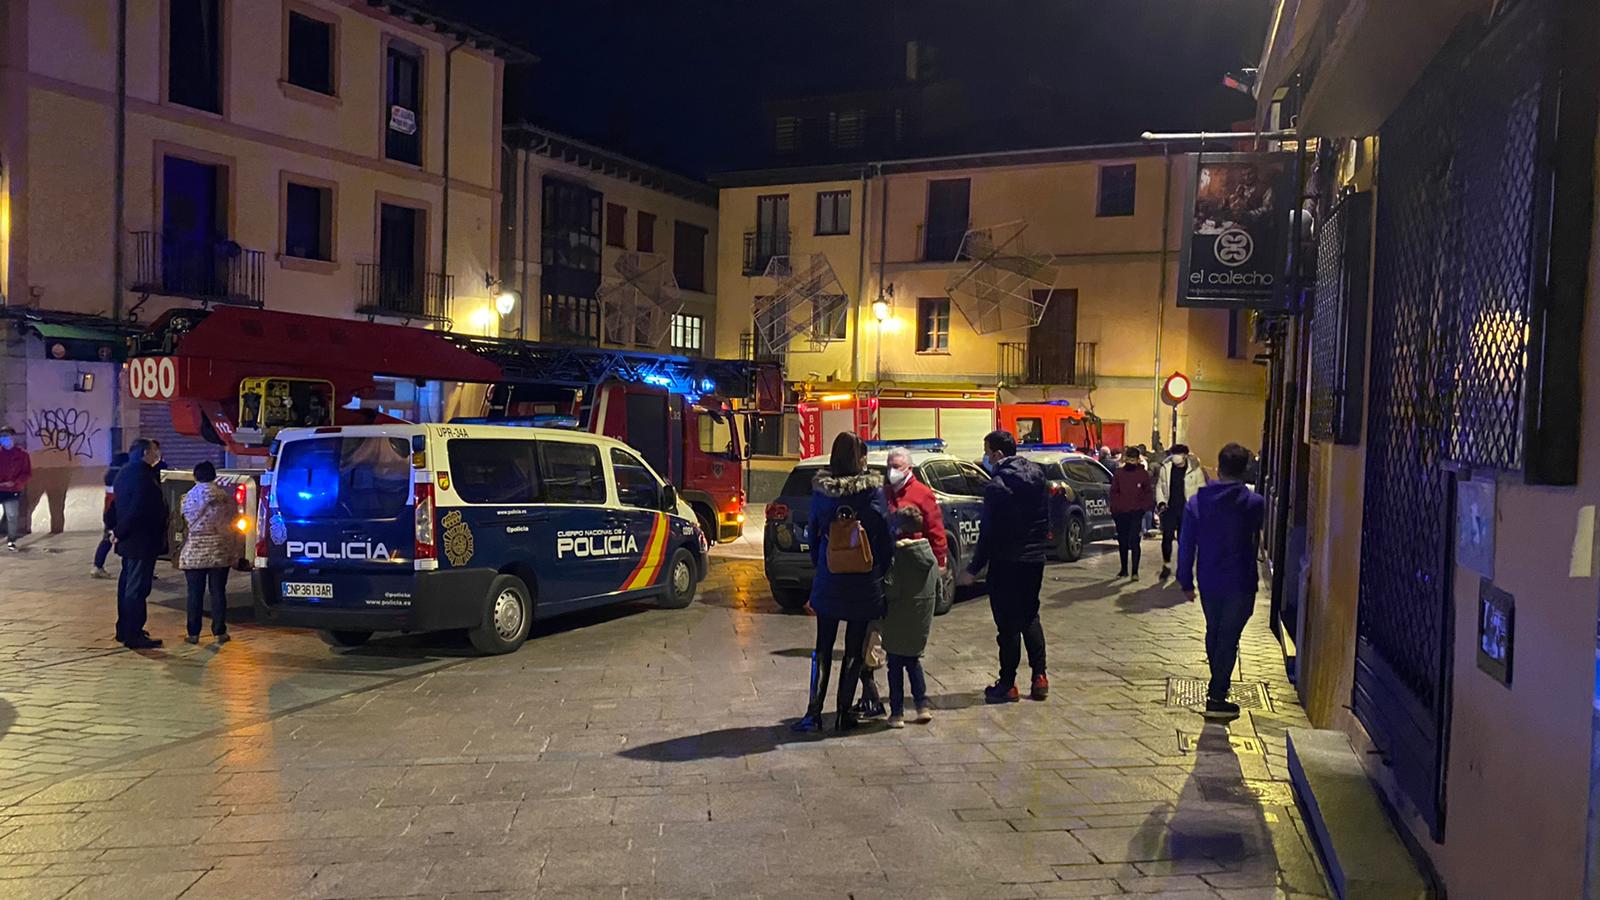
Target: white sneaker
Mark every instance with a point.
(897, 721)
(924, 715)
(98, 572)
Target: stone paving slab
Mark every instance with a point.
(628, 752)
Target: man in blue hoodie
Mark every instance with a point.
(1012, 542)
(1221, 530)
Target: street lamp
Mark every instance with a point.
(880, 310)
(505, 302)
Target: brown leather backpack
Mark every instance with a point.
(849, 551)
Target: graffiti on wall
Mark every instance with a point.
(71, 431)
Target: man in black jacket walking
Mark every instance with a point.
(1012, 541)
(137, 520)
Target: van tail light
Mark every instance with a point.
(777, 512)
(240, 495)
(426, 548)
(263, 516)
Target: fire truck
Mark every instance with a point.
(236, 376)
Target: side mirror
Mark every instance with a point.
(669, 498)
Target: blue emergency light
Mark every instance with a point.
(543, 420)
(936, 445)
(1062, 448)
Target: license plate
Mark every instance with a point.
(302, 589)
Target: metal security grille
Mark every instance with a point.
(1339, 321)
(1451, 305)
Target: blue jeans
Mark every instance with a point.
(199, 580)
(102, 551)
(1226, 616)
(133, 589)
(912, 666)
(11, 508)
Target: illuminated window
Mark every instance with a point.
(688, 333)
(933, 325)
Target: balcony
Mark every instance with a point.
(760, 246)
(1033, 362)
(404, 293)
(753, 350)
(939, 246)
(216, 271)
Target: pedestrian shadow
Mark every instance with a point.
(1150, 599)
(951, 702)
(8, 716)
(724, 743)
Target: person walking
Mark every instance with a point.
(1012, 541)
(851, 548)
(137, 520)
(1131, 497)
(912, 592)
(98, 570)
(15, 469)
(1179, 477)
(209, 549)
(1220, 534)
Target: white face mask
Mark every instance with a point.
(1178, 459)
(897, 477)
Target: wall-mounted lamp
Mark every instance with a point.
(882, 305)
(85, 382)
(505, 302)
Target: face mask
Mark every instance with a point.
(6, 442)
(1178, 459)
(987, 464)
(897, 477)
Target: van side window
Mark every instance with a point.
(975, 479)
(572, 472)
(635, 485)
(493, 470)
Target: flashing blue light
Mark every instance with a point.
(1062, 448)
(937, 445)
(657, 380)
(707, 385)
(304, 495)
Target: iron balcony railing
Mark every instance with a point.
(760, 246)
(404, 293)
(1018, 365)
(210, 271)
(940, 246)
(753, 349)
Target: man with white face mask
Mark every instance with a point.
(1178, 479)
(901, 488)
(15, 470)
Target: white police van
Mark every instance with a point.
(426, 527)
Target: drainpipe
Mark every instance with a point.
(1161, 296)
(883, 259)
(444, 226)
(861, 279)
(119, 210)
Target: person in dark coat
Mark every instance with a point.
(1221, 529)
(137, 520)
(1132, 495)
(104, 549)
(854, 598)
(1013, 541)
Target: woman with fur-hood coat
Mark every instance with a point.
(854, 598)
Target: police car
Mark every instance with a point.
(786, 547)
(1080, 497)
(424, 527)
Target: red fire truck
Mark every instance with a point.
(236, 376)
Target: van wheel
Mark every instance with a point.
(683, 576)
(345, 638)
(1070, 546)
(791, 599)
(507, 614)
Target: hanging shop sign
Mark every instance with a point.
(1240, 207)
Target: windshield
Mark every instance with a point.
(716, 434)
(345, 478)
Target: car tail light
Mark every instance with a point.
(777, 512)
(240, 495)
(426, 548)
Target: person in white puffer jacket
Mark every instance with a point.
(1178, 478)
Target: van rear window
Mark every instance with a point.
(799, 483)
(344, 478)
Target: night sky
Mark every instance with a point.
(684, 83)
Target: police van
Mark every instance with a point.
(483, 527)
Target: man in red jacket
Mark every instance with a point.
(15, 470)
(901, 488)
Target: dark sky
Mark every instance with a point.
(682, 83)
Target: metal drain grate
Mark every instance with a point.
(1227, 790)
(1189, 742)
(1192, 692)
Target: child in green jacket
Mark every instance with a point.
(911, 589)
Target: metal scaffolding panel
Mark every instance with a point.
(637, 306)
(807, 301)
(997, 291)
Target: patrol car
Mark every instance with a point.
(786, 547)
(1080, 497)
(425, 527)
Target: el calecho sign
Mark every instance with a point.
(1235, 251)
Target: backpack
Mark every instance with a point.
(849, 551)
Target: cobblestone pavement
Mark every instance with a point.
(629, 752)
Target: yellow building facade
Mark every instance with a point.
(321, 157)
(1107, 220)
